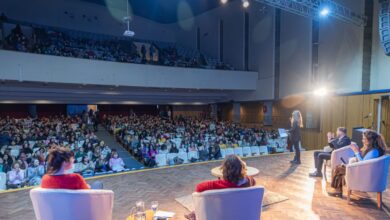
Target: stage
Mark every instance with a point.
(307, 198)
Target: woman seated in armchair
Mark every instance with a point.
(234, 176)
(60, 161)
(374, 146)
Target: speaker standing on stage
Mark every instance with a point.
(295, 135)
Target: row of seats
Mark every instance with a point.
(166, 159)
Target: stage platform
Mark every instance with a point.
(307, 198)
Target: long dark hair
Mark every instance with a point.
(56, 157)
(233, 169)
(375, 141)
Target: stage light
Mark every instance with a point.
(325, 11)
(245, 3)
(224, 1)
(321, 92)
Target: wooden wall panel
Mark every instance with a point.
(335, 111)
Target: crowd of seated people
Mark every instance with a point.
(25, 143)
(146, 136)
(63, 43)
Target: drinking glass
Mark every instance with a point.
(154, 206)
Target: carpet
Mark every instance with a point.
(270, 198)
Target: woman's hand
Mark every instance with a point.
(355, 147)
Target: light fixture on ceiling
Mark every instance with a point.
(245, 3)
(224, 1)
(127, 19)
(324, 11)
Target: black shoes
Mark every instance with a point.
(295, 162)
(336, 194)
(315, 174)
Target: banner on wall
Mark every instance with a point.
(267, 110)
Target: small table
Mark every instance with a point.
(250, 171)
(149, 215)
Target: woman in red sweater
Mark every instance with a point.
(60, 161)
(233, 176)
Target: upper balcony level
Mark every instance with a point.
(33, 38)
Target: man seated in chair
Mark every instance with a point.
(341, 140)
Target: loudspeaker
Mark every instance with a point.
(384, 25)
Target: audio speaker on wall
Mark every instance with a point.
(384, 25)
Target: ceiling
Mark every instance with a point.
(163, 11)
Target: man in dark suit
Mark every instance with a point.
(334, 143)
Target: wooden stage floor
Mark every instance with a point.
(307, 196)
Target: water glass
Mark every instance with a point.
(154, 206)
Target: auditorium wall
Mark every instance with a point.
(295, 54)
(260, 42)
(380, 63)
(332, 111)
(84, 16)
(341, 52)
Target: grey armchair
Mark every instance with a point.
(344, 152)
(368, 176)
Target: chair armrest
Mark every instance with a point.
(344, 152)
(369, 175)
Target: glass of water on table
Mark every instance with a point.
(154, 205)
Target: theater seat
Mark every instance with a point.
(61, 204)
(229, 204)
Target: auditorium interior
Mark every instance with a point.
(183, 109)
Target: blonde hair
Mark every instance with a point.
(297, 117)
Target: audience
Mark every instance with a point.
(146, 136)
(27, 142)
(374, 146)
(52, 41)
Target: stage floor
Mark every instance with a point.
(307, 196)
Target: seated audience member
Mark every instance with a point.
(80, 154)
(86, 167)
(101, 164)
(35, 173)
(1, 165)
(116, 163)
(233, 176)
(16, 177)
(214, 152)
(374, 146)
(59, 162)
(340, 141)
(8, 161)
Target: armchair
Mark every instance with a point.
(61, 204)
(368, 176)
(229, 204)
(344, 152)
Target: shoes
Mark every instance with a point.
(295, 162)
(336, 194)
(315, 174)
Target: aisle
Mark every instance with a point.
(130, 162)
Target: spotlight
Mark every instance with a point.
(324, 12)
(321, 92)
(245, 3)
(224, 1)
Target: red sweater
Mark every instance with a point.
(222, 184)
(67, 181)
